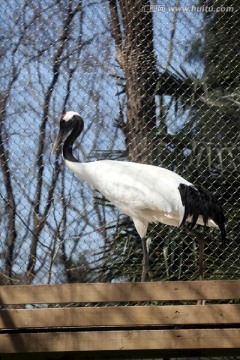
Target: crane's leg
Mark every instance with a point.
(200, 238)
(145, 263)
(201, 262)
(201, 256)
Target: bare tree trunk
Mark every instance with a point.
(133, 33)
(10, 203)
(11, 208)
(38, 220)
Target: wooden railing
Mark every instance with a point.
(156, 317)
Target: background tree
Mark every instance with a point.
(132, 29)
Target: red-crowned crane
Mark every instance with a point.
(146, 193)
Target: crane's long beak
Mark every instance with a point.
(58, 141)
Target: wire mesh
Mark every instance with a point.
(155, 83)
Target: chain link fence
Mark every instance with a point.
(155, 83)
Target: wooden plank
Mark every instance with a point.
(121, 292)
(121, 316)
(121, 340)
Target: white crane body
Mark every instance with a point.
(148, 194)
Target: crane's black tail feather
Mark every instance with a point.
(199, 202)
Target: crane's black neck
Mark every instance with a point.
(76, 124)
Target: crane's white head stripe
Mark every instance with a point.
(69, 115)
